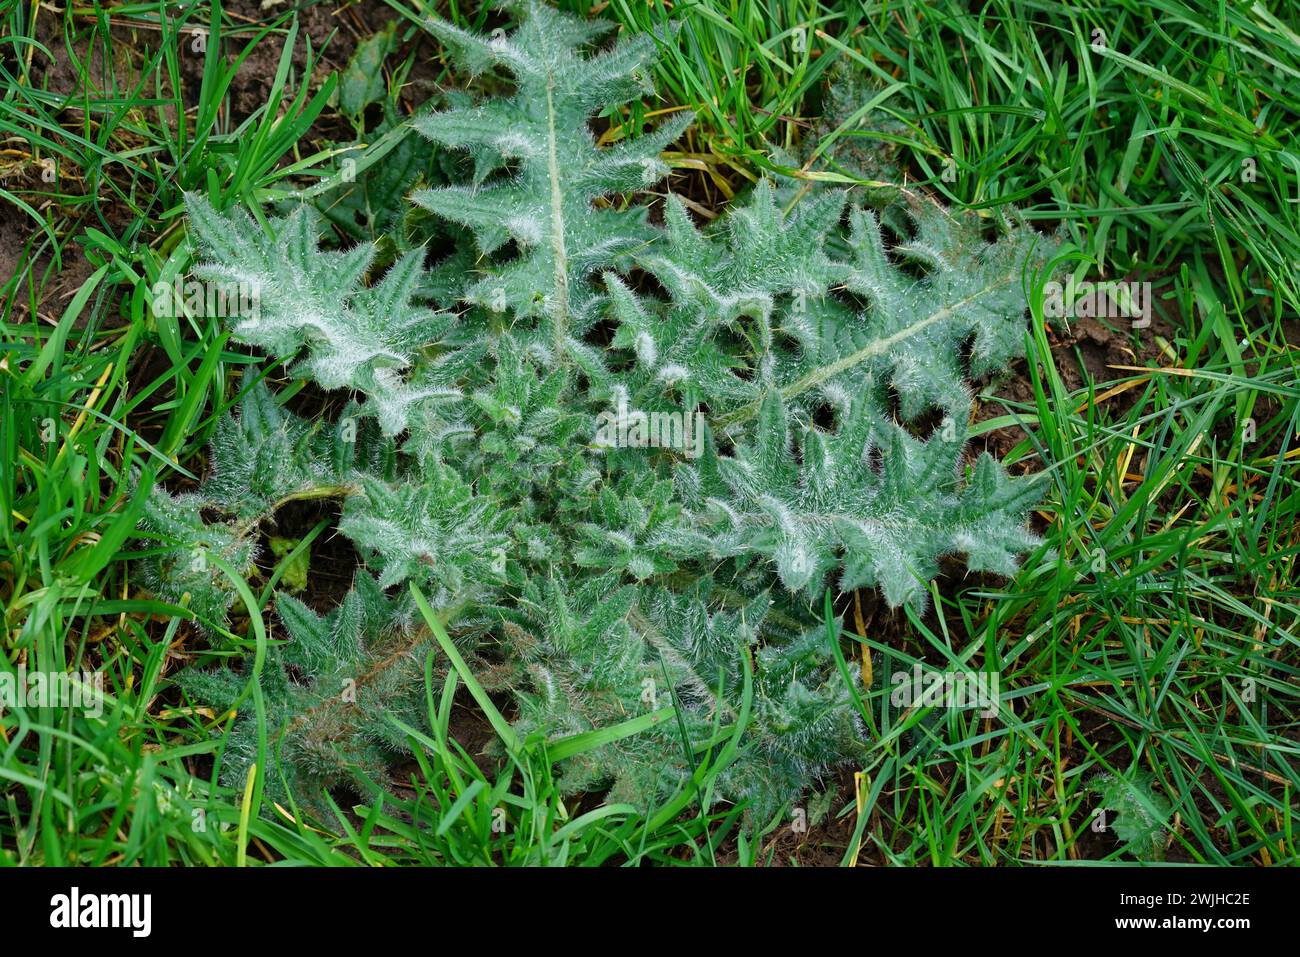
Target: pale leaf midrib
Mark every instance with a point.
(560, 308)
(819, 375)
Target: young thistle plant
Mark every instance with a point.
(617, 501)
